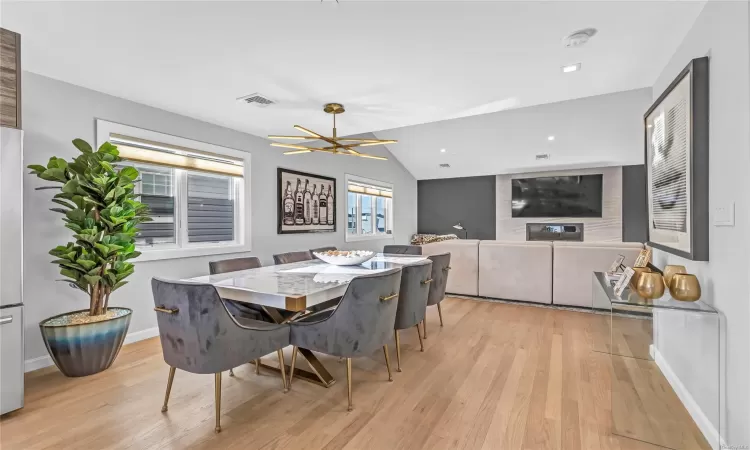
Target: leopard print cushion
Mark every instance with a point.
(421, 239)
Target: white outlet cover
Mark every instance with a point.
(724, 215)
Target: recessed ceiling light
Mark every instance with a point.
(442, 150)
(571, 68)
(550, 138)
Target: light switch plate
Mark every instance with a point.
(724, 215)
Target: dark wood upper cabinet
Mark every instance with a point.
(10, 79)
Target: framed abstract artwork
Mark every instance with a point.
(306, 202)
(676, 146)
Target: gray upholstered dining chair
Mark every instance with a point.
(292, 257)
(240, 309)
(320, 250)
(441, 265)
(359, 325)
(198, 335)
(403, 249)
(412, 301)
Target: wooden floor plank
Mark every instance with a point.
(496, 375)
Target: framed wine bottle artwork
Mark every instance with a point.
(306, 202)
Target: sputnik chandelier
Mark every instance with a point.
(339, 146)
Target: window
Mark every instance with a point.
(194, 192)
(369, 205)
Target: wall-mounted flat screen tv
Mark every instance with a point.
(571, 196)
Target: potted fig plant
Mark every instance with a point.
(97, 200)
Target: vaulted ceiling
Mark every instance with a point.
(392, 64)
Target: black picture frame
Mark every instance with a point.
(698, 182)
(280, 192)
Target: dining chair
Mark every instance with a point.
(403, 249)
(441, 265)
(321, 250)
(412, 301)
(240, 309)
(199, 335)
(361, 323)
(292, 257)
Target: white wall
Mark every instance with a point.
(605, 130)
(54, 113)
(721, 32)
(608, 228)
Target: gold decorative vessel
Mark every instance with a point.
(650, 285)
(670, 270)
(637, 275)
(685, 287)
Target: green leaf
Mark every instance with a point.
(92, 279)
(54, 174)
(131, 173)
(59, 210)
(69, 273)
(103, 249)
(86, 264)
(118, 285)
(63, 203)
(82, 145)
(71, 187)
(36, 168)
(76, 215)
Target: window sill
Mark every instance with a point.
(368, 237)
(191, 252)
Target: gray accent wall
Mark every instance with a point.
(634, 208)
(54, 113)
(444, 202)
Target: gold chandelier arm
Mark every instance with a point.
(297, 152)
(298, 147)
(287, 137)
(365, 155)
(364, 140)
(310, 132)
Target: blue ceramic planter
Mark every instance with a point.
(88, 348)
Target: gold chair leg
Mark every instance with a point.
(424, 326)
(231, 372)
(398, 351)
(294, 361)
(440, 313)
(419, 333)
(217, 401)
(169, 389)
(349, 381)
(387, 362)
(257, 366)
(282, 366)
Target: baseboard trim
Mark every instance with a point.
(45, 361)
(703, 423)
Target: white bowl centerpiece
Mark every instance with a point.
(344, 257)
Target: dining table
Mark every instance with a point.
(289, 292)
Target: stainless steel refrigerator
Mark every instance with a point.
(11, 269)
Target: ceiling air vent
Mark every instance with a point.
(542, 156)
(257, 99)
(445, 166)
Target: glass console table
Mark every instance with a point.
(665, 356)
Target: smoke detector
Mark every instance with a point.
(445, 166)
(257, 99)
(579, 38)
(542, 156)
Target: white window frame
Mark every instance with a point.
(390, 214)
(182, 248)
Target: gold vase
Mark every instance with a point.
(637, 275)
(650, 285)
(685, 287)
(669, 272)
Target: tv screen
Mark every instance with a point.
(574, 196)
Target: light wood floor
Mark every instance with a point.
(497, 376)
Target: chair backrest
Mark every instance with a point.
(292, 257)
(199, 335)
(403, 249)
(412, 296)
(321, 250)
(233, 265)
(441, 265)
(362, 322)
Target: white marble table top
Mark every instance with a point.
(297, 286)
